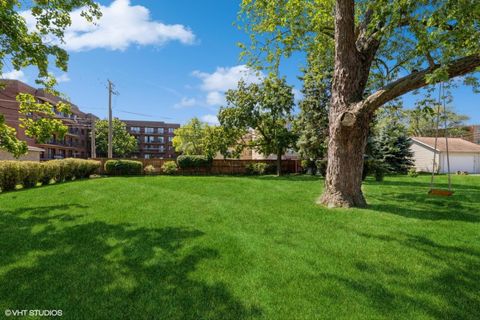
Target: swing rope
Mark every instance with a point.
(441, 103)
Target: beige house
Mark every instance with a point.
(464, 155)
(251, 154)
(33, 154)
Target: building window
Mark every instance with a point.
(161, 130)
(170, 139)
(170, 130)
(149, 130)
(161, 139)
(149, 139)
(147, 156)
(135, 129)
(161, 148)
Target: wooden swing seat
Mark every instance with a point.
(440, 192)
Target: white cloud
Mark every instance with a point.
(120, 26)
(14, 75)
(185, 102)
(223, 79)
(210, 118)
(63, 78)
(215, 98)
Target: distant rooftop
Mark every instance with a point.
(454, 144)
(142, 123)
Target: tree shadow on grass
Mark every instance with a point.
(462, 206)
(446, 288)
(424, 186)
(53, 260)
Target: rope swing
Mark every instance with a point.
(441, 102)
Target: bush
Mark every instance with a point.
(149, 170)
(31, 173)
(123, 167)
(169, 167)
(51, 171)
(9, 175)
(412, 172)
(321, 167)
(194, 161)
(257, 168)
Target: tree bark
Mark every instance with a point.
(348, 131)
(279, 164)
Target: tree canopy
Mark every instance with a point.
(265, 108)
(123, 143)
(22, 45)
(380, 50)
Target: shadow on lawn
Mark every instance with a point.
(98, 270)
(450, 291)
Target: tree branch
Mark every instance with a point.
(415, 81)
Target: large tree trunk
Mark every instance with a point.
(279, 164)
(346, 148)
(348, 129)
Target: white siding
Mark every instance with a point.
(423, 157)
(459, 161)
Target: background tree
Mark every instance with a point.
(312, 122)
(123, 142)
(188, 138)
(422, 120)
(382, 50)
(389, 142)
(227, 142)
(266, 108)
(22, 47)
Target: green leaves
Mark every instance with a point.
(22, 48)
(9, 141)
(123, 142)
(266, 108)
(39, 118)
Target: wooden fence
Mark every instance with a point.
(230, 166)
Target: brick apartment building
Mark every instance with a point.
(473, 134)
(154, 138)
(75, 144)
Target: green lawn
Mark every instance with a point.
(240, 248)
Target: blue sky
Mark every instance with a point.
(170, 61)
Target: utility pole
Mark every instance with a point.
(111, 90)
(93, 142)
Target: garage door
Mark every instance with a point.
(461, 162)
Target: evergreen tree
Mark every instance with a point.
(389, 142)
(312, 122)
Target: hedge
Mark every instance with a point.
(193, 161)
(123, 167)
(29, 173)
(258, 168)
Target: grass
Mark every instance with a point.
(240, 248)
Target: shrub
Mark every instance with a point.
(194, 161)
(412, 172)
(257, 168)
(31, 173)
(123, 167)
(169, 167)
(149, 170)
(51, 171)
(79, 168)
(9, 175)
(321, 167)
